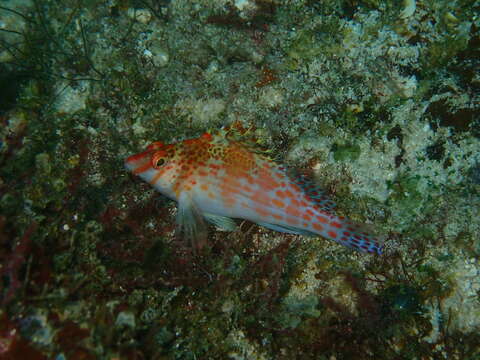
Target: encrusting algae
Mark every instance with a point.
(218, 177)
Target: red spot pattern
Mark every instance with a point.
(233, 172)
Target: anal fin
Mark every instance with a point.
(287, 229)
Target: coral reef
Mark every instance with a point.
(377, 100)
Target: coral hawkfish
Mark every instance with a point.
(218, 178)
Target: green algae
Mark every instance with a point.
(406, 194)
(346, 152)
(297, 309)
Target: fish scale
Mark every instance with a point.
(216, 178)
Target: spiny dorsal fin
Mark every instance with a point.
(236, 132)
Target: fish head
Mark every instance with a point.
(156, 165)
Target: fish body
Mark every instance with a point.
(217, 179)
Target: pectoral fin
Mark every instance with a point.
(190, 223)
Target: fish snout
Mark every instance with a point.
(140, 162)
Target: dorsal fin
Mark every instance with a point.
(237, 133)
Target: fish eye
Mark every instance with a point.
(160, 162)
(159, 159)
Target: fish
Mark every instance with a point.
(221, 177)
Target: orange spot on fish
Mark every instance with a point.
(317, 227)
(211, 195)
(266, 181)
(293, 211)
(204, 187)
(262, 212)
(278, 203)
(295, 202)
(277, 216)
(261, 198)
(267, 184)
(280, 194)
(306, 217)
(322, 219)
(336, 224)
(332, 234)
(295, 188)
